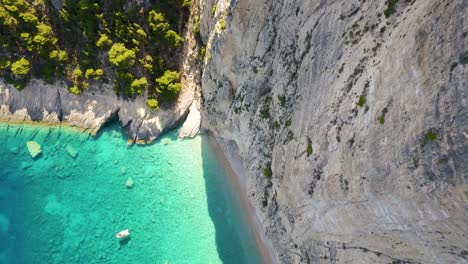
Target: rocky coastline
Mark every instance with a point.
(90, 111)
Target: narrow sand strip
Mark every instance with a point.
(234, 169)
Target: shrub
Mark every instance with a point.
(196, 31)
(309, 150)
(141, 34)
(147, 63)
(98, 74)
(213, 9)
(362, 101)
(267, 172)
(187, 3)
(152, 104)
(138, 86)
(90, 73)
(45, 35)
(157, 22)
(58, 55)
(265, 112)
(29, 18)
(121, 57)
(77, 73)
(173, 39)
(169, 84)
(222, 24)
(6, 19)
(282, 100)
(123, 82)
(74, 90)
(103, 41)
(15, 5)
(381, 119)
(202, 53)
(21, 67)
(430, 136)
(4, 63)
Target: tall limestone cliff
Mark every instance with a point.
(350, 120)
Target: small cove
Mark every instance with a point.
(60, 209)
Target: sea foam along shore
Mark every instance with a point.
(234, 170)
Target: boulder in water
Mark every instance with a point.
(72, 151)
(129, 183)
(34, 148)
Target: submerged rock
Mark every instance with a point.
(129, 183)
(14, 150)
(72, 152)
(25, 165)
(34, 148)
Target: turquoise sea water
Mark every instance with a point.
(59, 209)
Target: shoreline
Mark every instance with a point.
(263, 245)
(44, 124)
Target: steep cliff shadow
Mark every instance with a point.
(233, 242)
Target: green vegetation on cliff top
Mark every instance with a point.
(87, 41)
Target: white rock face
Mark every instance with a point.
(191, 126)
(381, 101)
(91, 110)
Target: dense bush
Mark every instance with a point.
(103, 41)
(152, 104)
(169, 84)
(139, 85)
(362, 101)
(173, 39)
(21, 67)
(157, 22)
(121, 57)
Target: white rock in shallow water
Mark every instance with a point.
(72, 151)
(34, 148)
(129, 183)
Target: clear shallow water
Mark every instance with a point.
(57, 209)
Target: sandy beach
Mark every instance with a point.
(235, 172)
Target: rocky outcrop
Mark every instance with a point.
(91, 110)
(352, 127)
(191, 126)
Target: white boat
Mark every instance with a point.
(123, 234)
